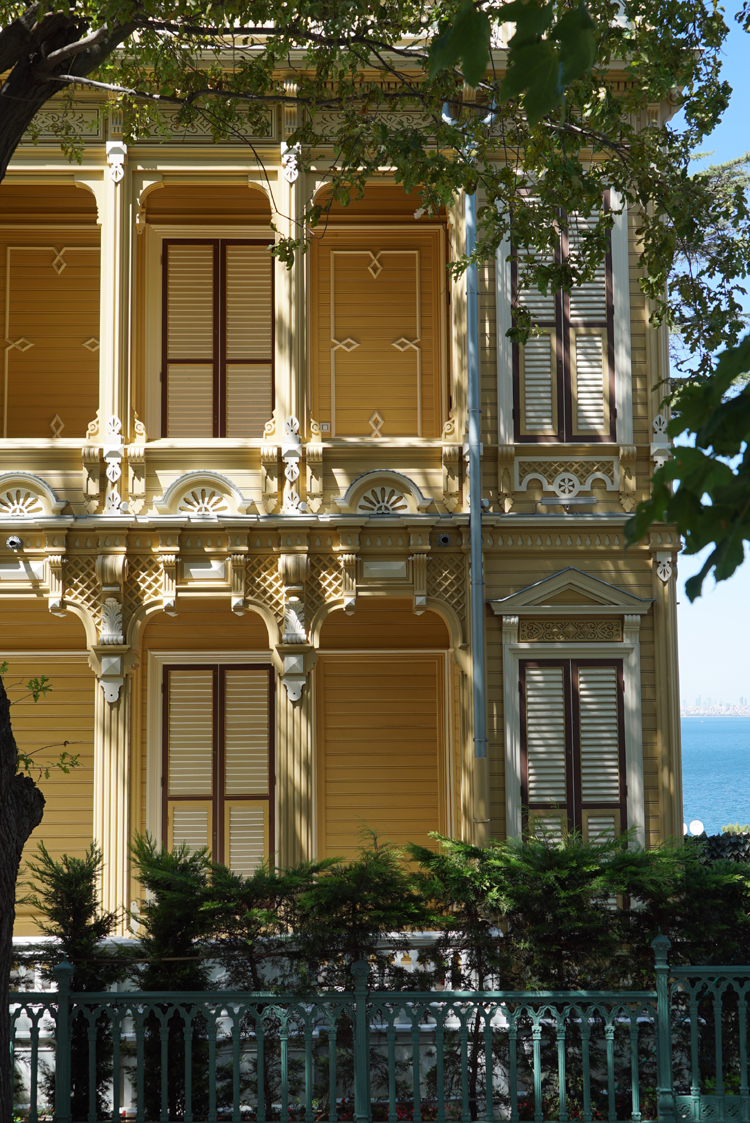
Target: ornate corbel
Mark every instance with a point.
(238, 563)
(451, 476)
(661, 449)
(110, 660)
(314, 475)
(111, 629)
(55, 564)
(111, 571)
(419, 578)
(137, 466)
(168, 564)
(291, 451)
(631, 628)
(628, 454)
(510, 629)
(117, 154)
(505, 487)
(349, 581)
(290, 153)
(91, 461)
(663, 565)
(269, 470)
(293, 569)
(114, 455)
(296, 662)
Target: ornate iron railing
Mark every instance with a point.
(679, 1051)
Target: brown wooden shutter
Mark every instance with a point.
(572, 746)
(545, 743)
(600, 749)
(189, 756)
(537, 364)
(190, 339)
(248, 338)
(588, 334)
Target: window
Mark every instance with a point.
(218, 761)
(572, 745)
(564, 379)
(217, 337)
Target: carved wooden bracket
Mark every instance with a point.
(238, 563)
(628, 454)
(269, 470)
(419, 576)
(55, 564)
(451, 476)
(349, 579)
(314, 472)
(505, 487)
(91, 459)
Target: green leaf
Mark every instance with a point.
(467, 41)
(536, 70)
(575, 34)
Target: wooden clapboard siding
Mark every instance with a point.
(56, 310)
(213, 203)
(383, 625)
(378, 204)
(380, 749)
(27, 625)
(37, 203)
(65, 714)
(642, 378)
(402, 301)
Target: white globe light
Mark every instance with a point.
(696, 827)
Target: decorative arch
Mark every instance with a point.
(202, 495)
(26, 496)
(139, 619)
(383, 492)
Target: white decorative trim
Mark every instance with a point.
(621, 300)
(111, 630)
(202, 487)
(629, 651)
(664, 565)
(116, 156)
(604, 599)
(154, 713)
(661, 447)
(348, 503)
(291, 451)
(585, 469)
(505, 433)
(25, 484)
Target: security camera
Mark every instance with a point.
(13, 542)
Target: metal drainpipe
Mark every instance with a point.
(481, 768)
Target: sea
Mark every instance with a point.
(716, 770)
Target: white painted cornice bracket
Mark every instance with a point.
(117, 154)
(297, 663)
(110, 663)
(661, 448)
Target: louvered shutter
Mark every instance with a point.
(545, 747)
(589, 348)
(246, 768)
(248, 338)
(246, 835)
(190, 365)
(600, 757)
(189, 756)
(538, 386)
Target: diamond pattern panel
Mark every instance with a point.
(324, 582)
(447, 581)
(143, 585)
(81, 585)
(263, 583)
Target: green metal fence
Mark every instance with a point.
(677, 1052)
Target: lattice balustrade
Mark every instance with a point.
(324, 583)
(81, 586)
(581, 469)
(447, 581)
(144, 582)
(263, 583)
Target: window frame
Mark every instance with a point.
(575, 807)
(157, 790)
(154, 316)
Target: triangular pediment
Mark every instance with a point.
(567, 592)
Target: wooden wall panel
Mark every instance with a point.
(65, 714)
(362, 363)
(380, 749)
(28, 625)
(212, 203)
(383, 625)
(20, 203)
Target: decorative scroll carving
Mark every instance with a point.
(111, 570)
(664, 565)
(419, 571)
(111, 629)
(239, 561)
(451, 475)
(349, 581)
(293, 570)
(203, 501)
(628, 454)
(505, 457)
(570, 631)
(55, 564)
(20, 503)
(269, 470)
(383, 501)
(169, 583)
(661, 449)
(291, 451)
(314, 466)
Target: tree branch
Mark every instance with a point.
(59, 56)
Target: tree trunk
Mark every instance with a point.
(21, 810)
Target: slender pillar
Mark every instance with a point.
(112, 793)
(295, 817)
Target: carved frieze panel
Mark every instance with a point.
(592, 630)
(567, 477)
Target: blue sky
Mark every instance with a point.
(714, 631)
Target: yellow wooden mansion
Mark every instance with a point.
(234, 518)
